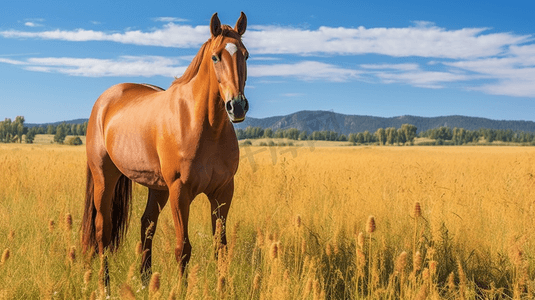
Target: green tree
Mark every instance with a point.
(360, 138)
(303, 136)
(291, 133)
(30, 135)
(381, 136)
(409, 131)
(368, 137)
(50, 129)
(268, 133)
(84, 128)
(18, 128)
(9, 130)
(20, 131)
(60, 135)
(279, 134)
(78, 130)
(240, 134)
(3, 132)
(400, 137)
(441, 133)
(352, 138)
(459, 136)
(391, 135)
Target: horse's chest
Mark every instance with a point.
(205, 176)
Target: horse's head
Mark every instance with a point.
(229, 57)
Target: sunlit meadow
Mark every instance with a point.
(306, 222)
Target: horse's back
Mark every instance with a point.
(122, 94)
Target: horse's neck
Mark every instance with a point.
(208, 115)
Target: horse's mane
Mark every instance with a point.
(195, 64)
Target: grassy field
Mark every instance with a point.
(449, 222)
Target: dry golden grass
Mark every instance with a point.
(298, 227)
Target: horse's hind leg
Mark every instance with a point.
(156, 202)
(105, 177)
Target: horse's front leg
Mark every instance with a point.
(155, 203)
(180, 198)
(220, 204)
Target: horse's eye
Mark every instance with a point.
(215, 58)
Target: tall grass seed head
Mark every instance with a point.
(361, 240)
(87, 277)
(221, 283)
(68, 221)
(71, 256)
(328, 250)
(139, 248)
(417, 261)
(51, 225)
(154, 285)
(256, 281)
(274, 250)
(401, 262)
(126, 292)
(370, 225)
(298, 221)
(5, 256)
(417, 210)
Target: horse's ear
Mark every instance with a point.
(241, 25)
(215, 25)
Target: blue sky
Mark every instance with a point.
(379, 58)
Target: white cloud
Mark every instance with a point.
(169, 19)
(401, 67)
(12, 61)
(420, 78)
(412, 74)
(421, 41)
(292, 95)
(397, 42)
(32, 24)
(305, 70)
(171, 35)
(505, 61)
(148, 66)
(512, 75)
(127, 66)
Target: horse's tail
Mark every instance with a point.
(122, 198)
(89, 241)
(120, 213)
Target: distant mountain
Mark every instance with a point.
(346, 124)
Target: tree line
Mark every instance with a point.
(460, 136)
(13, 131)
(404, 135)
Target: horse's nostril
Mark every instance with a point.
(238, 110)
(229, 106)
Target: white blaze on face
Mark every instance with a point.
(231, 48)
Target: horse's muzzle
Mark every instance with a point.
(237, 108)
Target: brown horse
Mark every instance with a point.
(178, 143)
